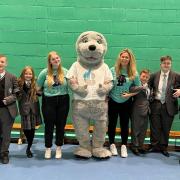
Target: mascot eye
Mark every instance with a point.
(85, 40)
(99, 41)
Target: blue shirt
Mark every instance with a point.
(60, 89)
(117, 90)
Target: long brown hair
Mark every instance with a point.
(33, 88)
(60, 73)
(131, 68)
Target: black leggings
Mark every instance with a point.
(29, 136)
(123, 110)
(55, 111)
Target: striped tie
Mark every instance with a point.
(164, 84)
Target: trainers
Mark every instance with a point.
(124, 153)
(113, 150)
(47, 153)
(58, 152)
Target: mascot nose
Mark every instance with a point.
(92, 47)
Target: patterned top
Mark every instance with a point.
(57, 88)
(122, 85)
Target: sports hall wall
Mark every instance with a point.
(29, 29)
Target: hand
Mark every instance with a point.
(4, 101)
(177, 93)
(126, 95)
(73, 81)
(85, 86)
(100, 85)
(101, 91)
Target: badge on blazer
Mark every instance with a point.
(10, 90)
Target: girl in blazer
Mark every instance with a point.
(28, 106)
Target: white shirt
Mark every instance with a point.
(147, 90)
(2, 75)
(91, 78)
(159, 92)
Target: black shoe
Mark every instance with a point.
(153, 149)
(165, 153)
(5, 159)
(29, 153)
(135, 151)
(142, 151)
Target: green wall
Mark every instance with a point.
(29, 29)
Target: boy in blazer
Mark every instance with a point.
(140, 113)
(8, 108)
(164, 105)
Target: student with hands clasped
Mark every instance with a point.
(55, 102)
(8, 109)
(120, 102)
(28, 105)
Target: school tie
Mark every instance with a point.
(164, 84)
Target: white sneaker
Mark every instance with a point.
(113, 150)
(47, 153)
(58, 152)
(124, 153)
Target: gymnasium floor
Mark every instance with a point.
(148, 167)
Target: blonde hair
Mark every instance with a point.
(33, 89)
(131, 68)
(60, 73)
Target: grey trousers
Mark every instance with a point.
(139, 127)
(6, 122)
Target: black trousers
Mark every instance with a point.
(6, 122)
(55, 111)
(160, 125)
(123, 110)
(29, 133)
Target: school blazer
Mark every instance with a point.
(141, 103)
(11, 89)
(173, 80)
(26, 105)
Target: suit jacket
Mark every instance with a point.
(11, 89)
(26, 105)
(173, 80)
(141, 104)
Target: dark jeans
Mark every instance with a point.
(123, 110)
(55, 111)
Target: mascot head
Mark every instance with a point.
(91, 47)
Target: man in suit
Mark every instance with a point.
(164, 105)
(8, 108)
